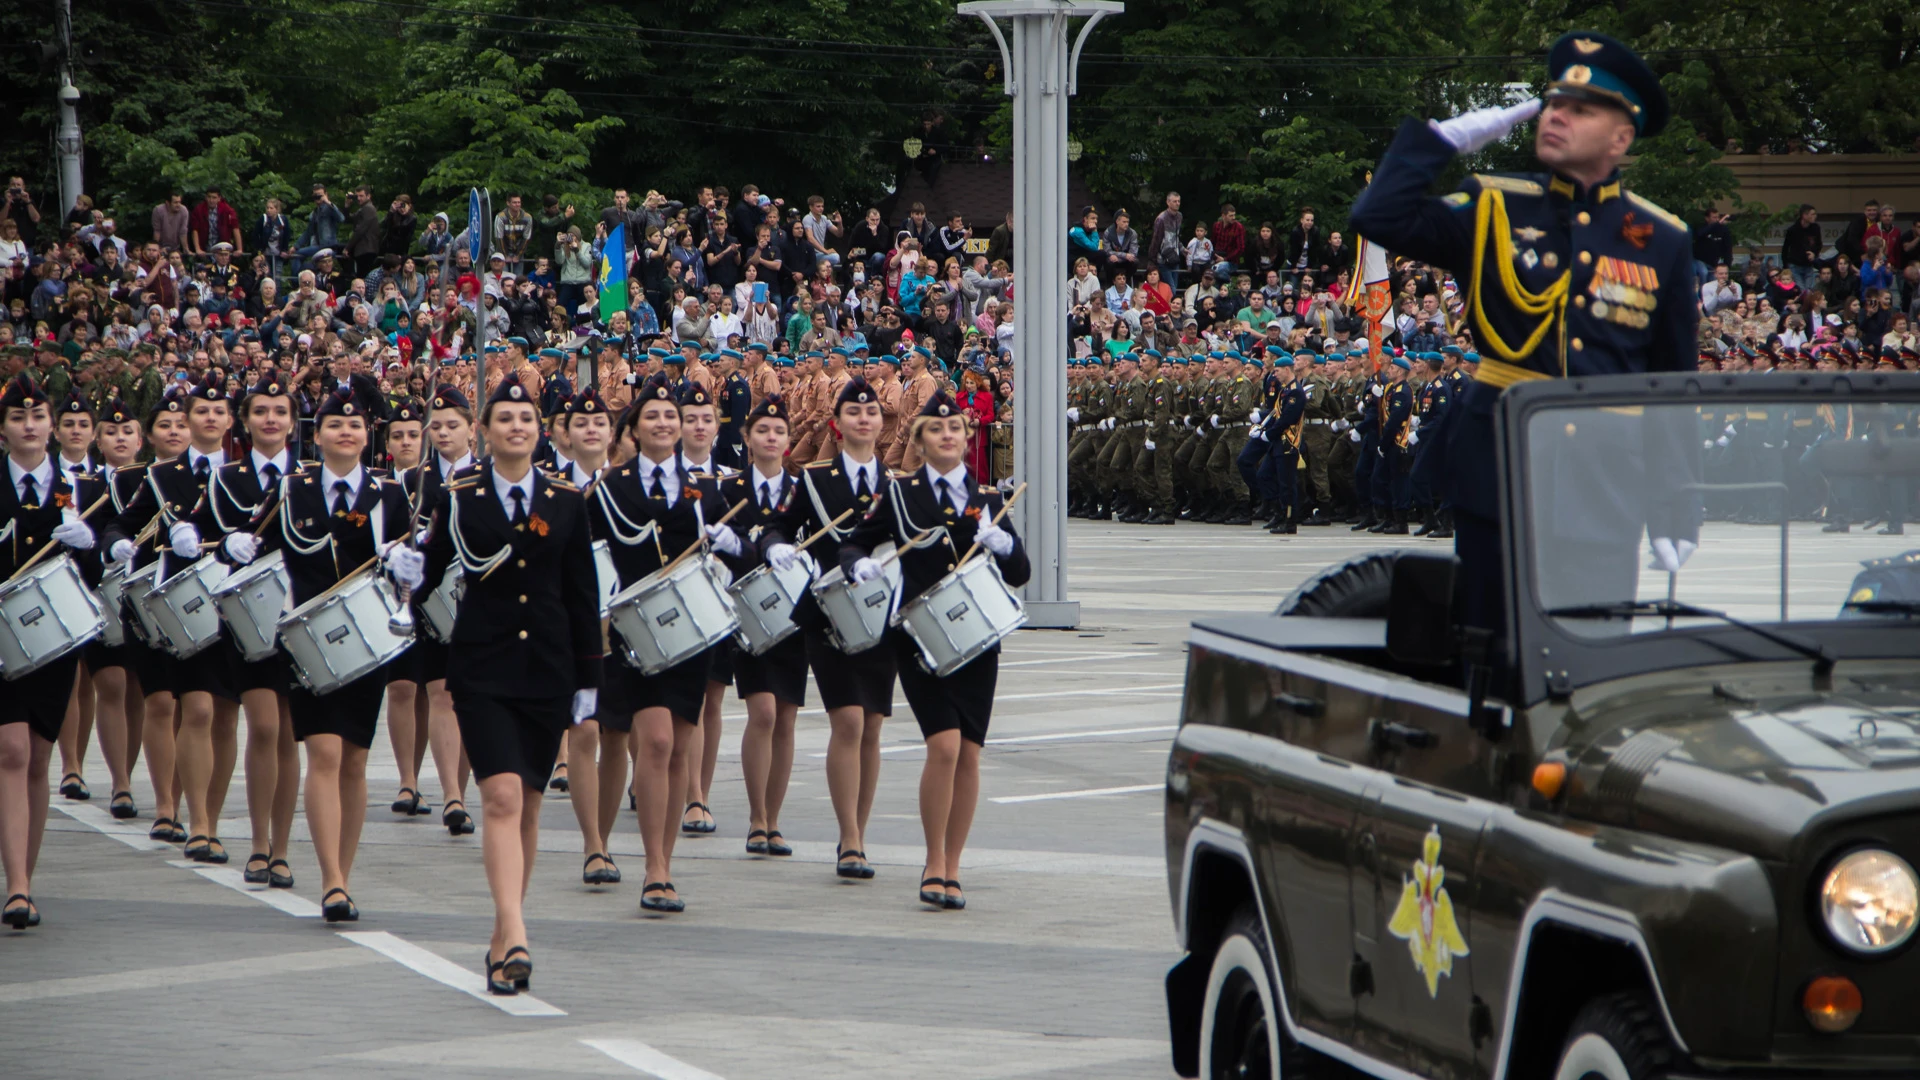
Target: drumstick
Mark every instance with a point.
(824, 530)
(696, 545)
(50, 545)
(997, 518)
(378, 551)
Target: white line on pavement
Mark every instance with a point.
(645, 1058)
(1075, 657)
(297, 906)
(444, 971)
(165, 978)
(1081, 794)
(900, 748)
(132, 835)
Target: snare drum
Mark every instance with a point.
(182, 607)
(763, 602)
(605, 576)
(139, 583)
(442, 605)
(113, 587)
(251, 601)
(963, 615)
(857, 612)
(45, 614)
(664, 619)
(343, 634)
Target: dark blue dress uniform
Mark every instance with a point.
(736, 401)
(1559, 279)
(1283, 437)
(1430, 405)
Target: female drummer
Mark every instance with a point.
(858, 688)
(958, 510)
(335, 519)
(650, 510)
(603, 735)
(38, 507)
(73, 425)
(409, 720)
(241, 497)
(773, 684)
(450, 430)
(699, 427)
(119, 703)
(526, 655)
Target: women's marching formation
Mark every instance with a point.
(571, 604)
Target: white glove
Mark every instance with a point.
(1148, 444)
(74, 533)
(1413, 438)
(241, 547)
(1670, 555)
(1471, 131)
(994, 538)
(185, 539)
(1108, 422)
(585, 703)
(1341, 425)
(1377, 390)
(407, 566)
(1721, 441)
(865, 570)
(1073, 414)
(1214, 419)
(1729, 432)
(1413, 422)
(781, 556)
(420, 538)
(122, 551)
(1706, 444)
(1253, 417)
(1354, 436)
(724, 538)
(1261, 434)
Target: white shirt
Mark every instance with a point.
(766, 489)
(956, 485)
(709, 467)
(42, 480)
(854, 470)
(724, 324)
(562, 463)
(579, 474)
(282, 461)
(213, 460)
(353, 480)
(448, 468)
(643, 466)
(504, 488)
(74, 469)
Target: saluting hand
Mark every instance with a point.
(1469, 132)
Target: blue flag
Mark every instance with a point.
(613, 273)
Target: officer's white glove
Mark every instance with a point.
(241, 547)
(585, 703)
(1721, 441)
(407, 566)
(1260, 433)
(1214, 419)
(420, 538)
(185, 539)
(724, 538)
(122, 551)
(1670, 555)
(1413, 422)
(1353, 436)
(74, 533)
(1728, 431)
(865, 570)
(1471, 131)
(1073, 414)
(1706, 444)
(1377, 390)
(1253, 417)
(1341, 425)
(1107, 424)
(1413, 438)
(994, 538)
(1148, 444)
(781, 556)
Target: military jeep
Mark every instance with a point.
(1661, 821)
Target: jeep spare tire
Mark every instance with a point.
(1359, 588)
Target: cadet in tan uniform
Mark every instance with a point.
(837, 377)
(1239, 396)
(920, 388)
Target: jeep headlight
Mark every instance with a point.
(1870, 901)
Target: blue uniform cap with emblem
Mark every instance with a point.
(552, 354)
(1471, 358)
(450, 397)
(655, 389)
(587, 403)
(76, 404)
(517, 340)
(1452, 350)
(408, 409)
(731, 354)
(858, 359)
(1306, 354)
(22, 392)
(1598, 68)
(1280, 360)
(770, 407)
(761, 346)
(658, 353)
(695, 394)
(923, 351)
(1401, 363)
(858, 391)
(1155, 353)
(115, 411)
(840, 351)
(784, 360)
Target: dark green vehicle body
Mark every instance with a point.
(1712, 778)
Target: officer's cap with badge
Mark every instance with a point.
(115, 411)
(657, 388)
(76, 404)
(408, 410)
(770, 408)
(211, 387)
(858, 391)
(22, 393)
(449, 397)
(509, 392)
(269, 385)
(1601, 69)
(941, 404)
(694, 394)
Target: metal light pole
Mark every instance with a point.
(1040, 77)
(66, 138)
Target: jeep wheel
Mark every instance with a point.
(1617, 1037)
(1358, 588)
(1240, 1036)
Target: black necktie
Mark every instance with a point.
(270, 476)
(29, 493)
(862, 490)
(659, 488)
(201, 468)
(766, 497)
(946, 499)
(342, 498)
(519, 498)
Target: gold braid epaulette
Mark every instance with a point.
(1490, 219)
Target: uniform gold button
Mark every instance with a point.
(522, 564)
(1578, 344)
(1586, 257)
(523, 599)
(949, 565)
(523, 635)
(1584, 218)
(1579, 301)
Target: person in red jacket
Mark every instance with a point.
(1229, 240)
(213, 220)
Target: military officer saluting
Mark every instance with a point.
(1564, 273)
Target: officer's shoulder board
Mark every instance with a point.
(463, 485)
(1656, 210)
(819, 464)
(558, 484)
(1511, 185)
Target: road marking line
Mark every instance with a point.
(164, 978)
(1081, 794)
(134, 836)
(1074, 657)
(638, 1055)
(901, 748)
(444, 971)
(297, 906)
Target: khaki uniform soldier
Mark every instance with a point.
(1153, 469)
(1340, 459)
(1192, 494)
(1083, 458)
(1240, 395)
(1126, 428)
(1316, 441)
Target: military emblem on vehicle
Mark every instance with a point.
(1424, 919)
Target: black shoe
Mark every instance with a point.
(1278, 526)
(1894, 529)
(777, 844)
(1380, 523)
(1239, 518)
(74, 788)
(204, 846)
(518, 971)
(591, 876)
(276, 879)
(19, 917)
(1317, 518)
(167, 831)
(649, 902)
(559, 781)
(703, 826)
(1396, 526)
(408, 803)
(455, 817)
(1157, 518)
(502, 986)
(954, 903)
(256, 877)
(1429, 526)
(935, 896)
(1837, 527)
(1365, 524)
(858, 869)
(341, 910)
(122, 806)
(757, 847)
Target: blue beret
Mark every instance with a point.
(1401, 363)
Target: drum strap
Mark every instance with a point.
(820, 508)
(616, 518)
(299, 543)
(215, 489)
(907, 529)
(166, 515)
(470, 562)
(7, 533)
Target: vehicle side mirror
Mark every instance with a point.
(1420, 622)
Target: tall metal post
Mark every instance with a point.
(66, 138)
(1040, 77)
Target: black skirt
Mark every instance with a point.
(780, 671)
(611, 710)
(211, 671)
(681, 689)
(39, 698)
(100, 656)
(152, 667)
(275, 673)
(513, 735)
(721, 662)
(351, 712)
(962, 700)
(864, 679)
